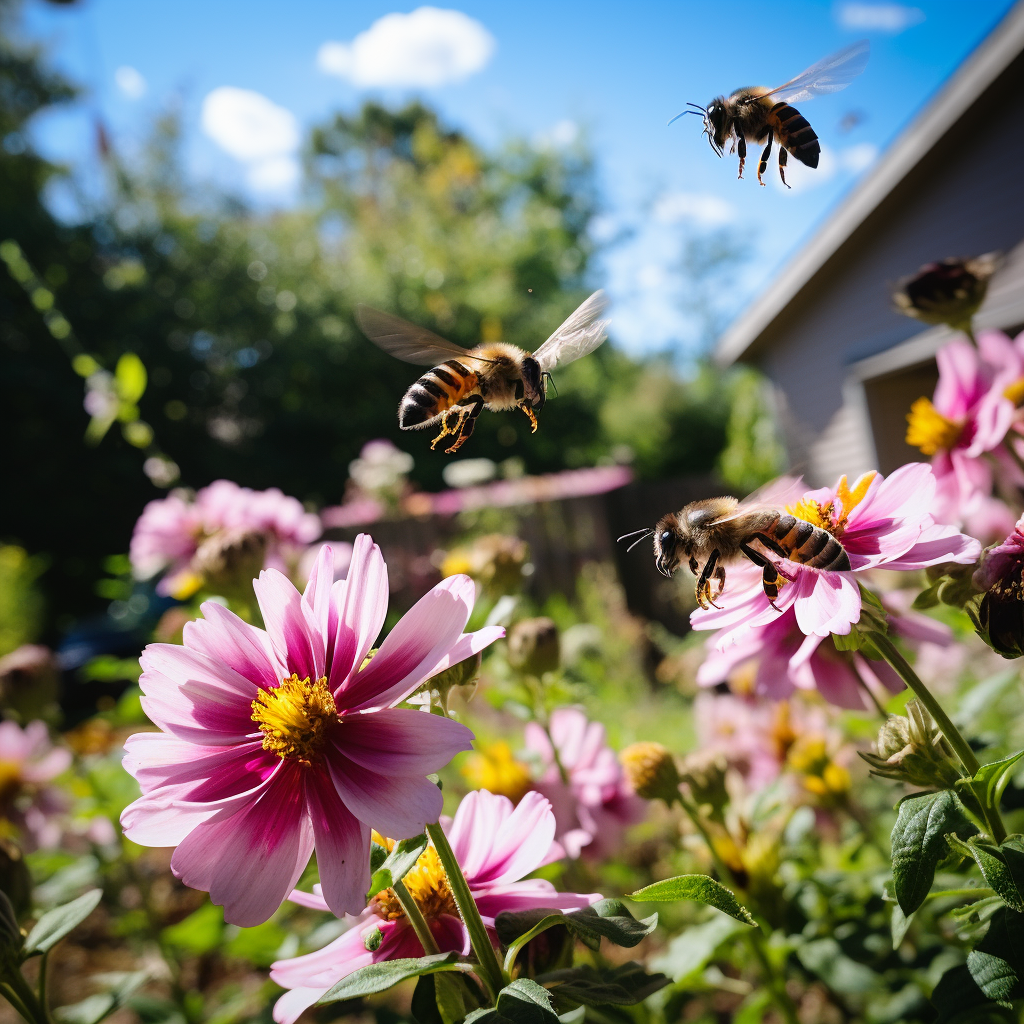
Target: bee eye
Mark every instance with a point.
(666, 537)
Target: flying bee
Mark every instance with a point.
(756, 114)
(494, 375)
(718, 531)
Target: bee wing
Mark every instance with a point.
(829, 75)
(786, 490)
(578, 336)
(404, 340)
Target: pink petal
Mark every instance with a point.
(828, 602)
(358, 607)
(938, 544)
(960, 384)
(223, 636)
(400, 741)
(250, 862)
(290, 624)
(420, 640)
(529, 896)
(310, 900)
(317, 595)
(396, 806)
(154, 821)
(466, 646)
(342, 846)
(518, 846)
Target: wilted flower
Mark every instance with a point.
(883, 523)
(219, 532)
(651, 770)
(28, 761)
(998, 614)
(495, 844)
(593, 803)
(494, 767)
(912, 749)
(277, 742)
(533, 646)
(948, 292)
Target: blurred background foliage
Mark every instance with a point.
(243, 320)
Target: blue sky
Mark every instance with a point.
(617, 72)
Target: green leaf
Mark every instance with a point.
(993, 868)
(919, 842)
(56, 923)
(959, 1000)
(525, 1002)
(700, 889)
(993, 975)
(620, 986)
(424, 1001)
(93, 1009)
(380, 977)
(899, 924)
(259, 945)
(825, 958)
(995, 777)
(398, 864)
(200, 932)
(450, 996)
(607, 918)
(130, 374)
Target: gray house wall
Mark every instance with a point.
(965, 197)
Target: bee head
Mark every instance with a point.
(533, 382)
(671, 544)
(717, 124)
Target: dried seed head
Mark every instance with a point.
(533, 646)
(947, 292)
(912, 749)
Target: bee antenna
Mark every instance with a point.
(698, 106)
(639, 540)
(676, 118)
(626, 536)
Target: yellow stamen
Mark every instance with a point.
(1015, 392)
(929, 430)
(814, 513)
(427, 884)
(827, 516)
(494, 768)
(848, 499)
(293, 717)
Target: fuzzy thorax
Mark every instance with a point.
(294, 717)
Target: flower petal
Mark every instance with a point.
(518, 846)
(223, 636)
(289, 623)
(827, 602)
(358, 607)
(400, 741)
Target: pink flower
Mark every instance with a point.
(28, 761)
(495, 845)
(275, 742)
(595, 806)
(171, 531)
(781, 659)
(883, 523)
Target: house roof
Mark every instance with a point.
(979, 73)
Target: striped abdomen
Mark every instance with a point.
(437, 390)
(795, 133)
(808, 545)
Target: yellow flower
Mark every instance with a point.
(493, 767)
(929, 430)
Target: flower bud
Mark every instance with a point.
(913, 750)
(947, 292)
(230, 559)
(651, 770)
(533, 646)
(462, 674)
(998, 614)
(705, 777)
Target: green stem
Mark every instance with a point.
(416, 919)
(960, 746)
(24, 992)
(43, 985)
(490, 969)
(981, 891)
(8, 993)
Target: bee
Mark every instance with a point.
(718, 531)
(757, 113)
(495, 375)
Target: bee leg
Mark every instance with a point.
(445, 429)
(468, 422)
(694, 566)
(770, 576)
(529, 412)
(704, 580)
(772, 544)
(783, 160)
(763, 165)
(720, 577)
(741, 147)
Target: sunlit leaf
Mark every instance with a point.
(56, 923)
(699, 889)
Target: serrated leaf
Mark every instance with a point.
(919, 842)
(699, 889)
(56, 923)
(526, 1002)
(397, 865)
(380, 977)
(585, 984)
(606, 918)
(993, 868)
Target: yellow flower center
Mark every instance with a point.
(824, 515)
(494, 768)
(427, 884)
(294, 716)
(929, 430)
(1015, 392)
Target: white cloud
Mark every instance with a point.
(560, 135)
(130, 82)
(276, 175)
(891, 18)
(427, 47)
(708, 211)
(248, 125)
(860, 157)
(852, 160)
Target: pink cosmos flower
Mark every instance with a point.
(596, 805)
(275, 742)
(28, 761)
(496, 845)
(883, 523)
(781, 659)
(172, 530)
